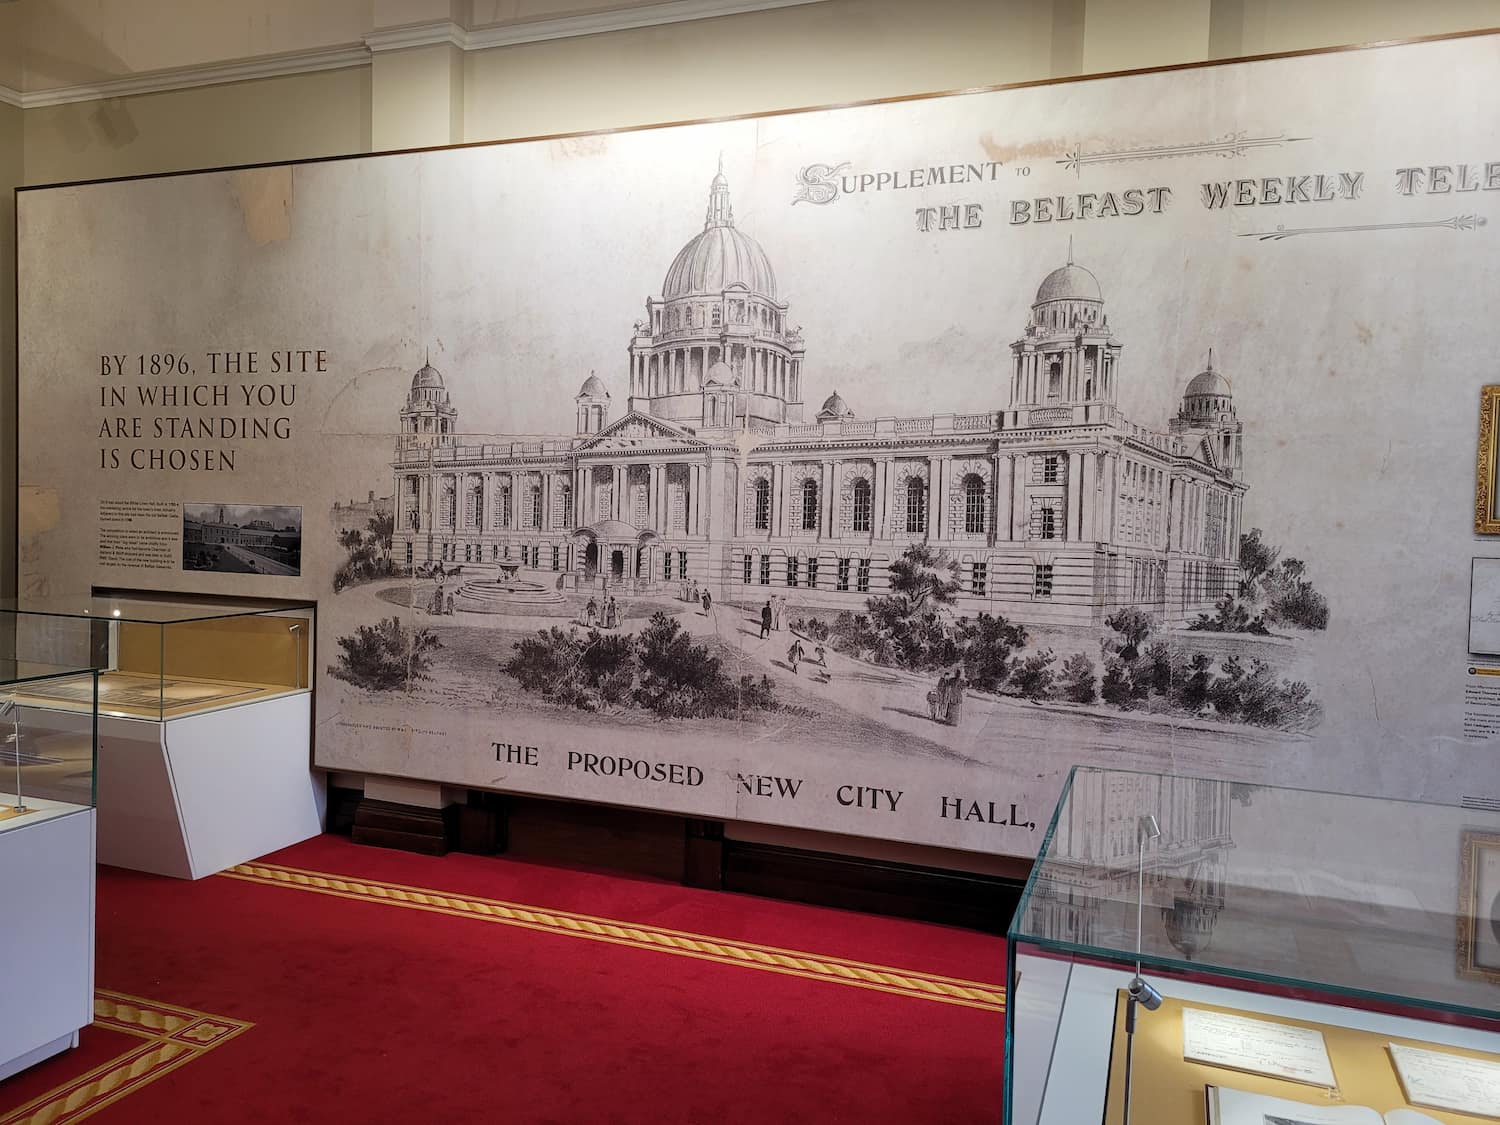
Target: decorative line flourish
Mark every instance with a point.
(1455, 222)
(170, 1037)
(1229, 146)
(902, 982)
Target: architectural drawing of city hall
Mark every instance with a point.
(1056, 509)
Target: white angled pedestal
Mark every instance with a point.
(190, 796)
(46, 932)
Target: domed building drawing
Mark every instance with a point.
(1056, 508)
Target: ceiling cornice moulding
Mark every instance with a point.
(394, 39)
(620, 19)
(213, 74)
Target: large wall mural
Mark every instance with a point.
(859, 470)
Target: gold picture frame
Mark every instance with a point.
(1479, 906)
(1486, 497)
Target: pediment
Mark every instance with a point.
(1207, 454)
(636, 431)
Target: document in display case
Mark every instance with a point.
(1235, 1107)
(1188, 942)
(205, 721)
(47, 788)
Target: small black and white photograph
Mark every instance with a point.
(243, 538)
(1484, 607)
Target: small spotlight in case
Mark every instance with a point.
(1144, 994)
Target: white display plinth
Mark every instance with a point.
(46, 931)
(190, 796)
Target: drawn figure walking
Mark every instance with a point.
(955, 699)
(937, 700)
(708, 604)
(778, 603)
(765, 621)
(590, 613)
(794, 655)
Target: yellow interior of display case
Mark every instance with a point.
(1166, 1089)
(180, 668)
(241, 650)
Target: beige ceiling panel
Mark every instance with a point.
(80, 42)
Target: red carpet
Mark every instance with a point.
(477, 989)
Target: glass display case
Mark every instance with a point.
(162, 658)
(1190, 950)
(48, 765)
(48, 755)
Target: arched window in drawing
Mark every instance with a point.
(474, 507)
(762, 505)
(413, 505)
(861, 505)
(1054, 379)
(534, 506)
(565, 503)
(974, 521)
(809, 505)
(916, 506)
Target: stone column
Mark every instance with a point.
(695, 498)
(1075, 489)
(545, 523)
(777, 470)
(836, 501)
(825, 500)
(1004, 472)
(934, 497)
(1089, 532)
(653, 498)
(1021, 468)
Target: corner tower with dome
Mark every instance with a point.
(1055, 508)
(1066, 354)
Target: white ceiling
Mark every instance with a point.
(52, 45)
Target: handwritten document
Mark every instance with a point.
(1258, 1046)
(1442, 1081)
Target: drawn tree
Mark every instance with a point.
(923, 576)
(1134, 625)
(382, 530)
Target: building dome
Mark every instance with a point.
(592, 388)
(833, 407)
(720, 256)
(427, 378)
(1069, 283)
(1208, 383)
(1208, 399)
(715, 260)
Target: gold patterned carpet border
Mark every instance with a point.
(858, 974)
(170, 1037)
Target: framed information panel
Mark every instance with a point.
(857, 469)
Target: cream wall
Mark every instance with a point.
(819, 54)
(274, 119)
